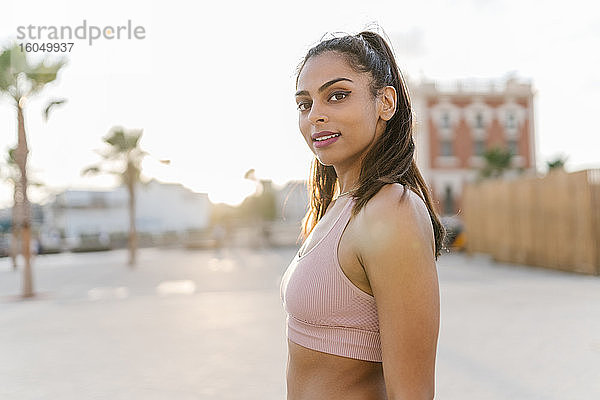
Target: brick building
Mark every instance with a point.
(457, 122)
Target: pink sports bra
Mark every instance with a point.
(325, 310)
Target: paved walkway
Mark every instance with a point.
(207, 325)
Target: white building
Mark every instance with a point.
(160, 207)
(292, 201)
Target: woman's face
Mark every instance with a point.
(334, 99)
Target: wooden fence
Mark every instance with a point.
(551, 222)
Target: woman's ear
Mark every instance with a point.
(388, 103)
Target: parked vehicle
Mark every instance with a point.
(455, 236)
(4, 245)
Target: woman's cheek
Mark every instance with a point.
(305, 130)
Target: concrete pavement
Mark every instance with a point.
(210, 325)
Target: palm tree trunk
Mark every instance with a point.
(132, 230)
(16, 222)
(25, 211)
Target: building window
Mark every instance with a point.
(448, 201)
(513, 146)
(510, 121)
(479, 121)
(446, 148)
(445, 121)
(479, 147)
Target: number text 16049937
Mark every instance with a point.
(46, 47)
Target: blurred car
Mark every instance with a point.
(455, 236)
(4, 245)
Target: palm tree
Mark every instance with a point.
(557, 164)
(12, 175)
(21, 80)
(124, 150)
(497, 162)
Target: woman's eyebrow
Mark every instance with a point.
(323, 86)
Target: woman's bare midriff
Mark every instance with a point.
(313, 375)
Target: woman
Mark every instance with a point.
(362, 293)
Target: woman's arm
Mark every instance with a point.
(398, 256)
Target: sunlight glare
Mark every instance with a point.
(232, 193)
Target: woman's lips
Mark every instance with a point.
(326, 142)
(317, 135)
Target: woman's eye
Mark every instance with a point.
(339, 96)
(303, 106)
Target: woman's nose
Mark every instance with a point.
(316, 115)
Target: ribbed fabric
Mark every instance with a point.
(325, 310)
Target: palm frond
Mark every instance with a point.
(43, 73)
(91, 170)
(12, 62)
(51, 105)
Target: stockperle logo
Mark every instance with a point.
(87, 32)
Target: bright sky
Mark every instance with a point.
(212, 85)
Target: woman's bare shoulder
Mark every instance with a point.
(397, 205)
(391, 197)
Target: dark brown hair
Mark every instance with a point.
(390, 159)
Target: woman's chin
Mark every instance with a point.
(324, 159)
